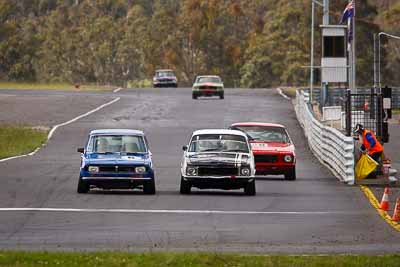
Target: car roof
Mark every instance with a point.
(208, 76)
(219, 131)
(266, 124)
(164, 70)
(117, 132)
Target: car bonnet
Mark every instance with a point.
(218, 158)
(117, 158)
(271, 147)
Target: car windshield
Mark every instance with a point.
(219, 143)
(208, 80)
(165, 74)
(116, 144)
(265, 133)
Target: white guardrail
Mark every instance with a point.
(330, 146)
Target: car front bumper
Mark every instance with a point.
(270, 168)
(169, 83)
(106, 182)
(110, 178)
(219, 182)
(206, 92)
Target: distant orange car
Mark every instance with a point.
(274, 151)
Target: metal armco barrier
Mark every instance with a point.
(330, 146)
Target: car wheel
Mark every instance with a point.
(221, 96)
(149, 188)
(83, 187)
(194, 96)
(250, 188)
(185, 187)
(290, 175)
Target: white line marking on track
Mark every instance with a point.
(63, 124)
(117, 90)
(81, 116)
(142, 211)
(282, 94)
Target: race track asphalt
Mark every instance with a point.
(314, 214)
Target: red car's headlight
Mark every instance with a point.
(288, 158)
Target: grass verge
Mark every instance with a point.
(396, 111)
(16, 141)
(110, 259)
(53, 86)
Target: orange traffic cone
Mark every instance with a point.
(396, 213)
(385, 200)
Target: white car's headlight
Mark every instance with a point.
(191, 171)
(141, 169)
(245, 171)
(93, 169)
(288, 158)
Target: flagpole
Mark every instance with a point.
(354, 47)
(350, 57)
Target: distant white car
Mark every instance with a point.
(220, 159)
(209, 85)
(165, 78)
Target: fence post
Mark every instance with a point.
(372, 106)
(379, 120)
(348, 112)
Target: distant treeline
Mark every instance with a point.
(250, 43)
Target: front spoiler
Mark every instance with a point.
(249, 178)
(99, 178)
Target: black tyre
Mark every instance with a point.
(221, 96)
(290, 174)
(149, 188)
(185, 187)
(194, 96)
(83, 187)
(250, 188)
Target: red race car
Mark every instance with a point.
(274, 152)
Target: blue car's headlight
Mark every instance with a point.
(93, 169)
(140, 169)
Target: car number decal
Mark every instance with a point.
(258, 145)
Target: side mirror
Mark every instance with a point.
(184, 148)
(81, 150)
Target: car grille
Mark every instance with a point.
(204, 171)
(208, 87)
(116, 169)
(265, 158)
(165, 80)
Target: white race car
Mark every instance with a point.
(220, 159)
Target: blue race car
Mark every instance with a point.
(116, 159)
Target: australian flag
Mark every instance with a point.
(348, 15)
